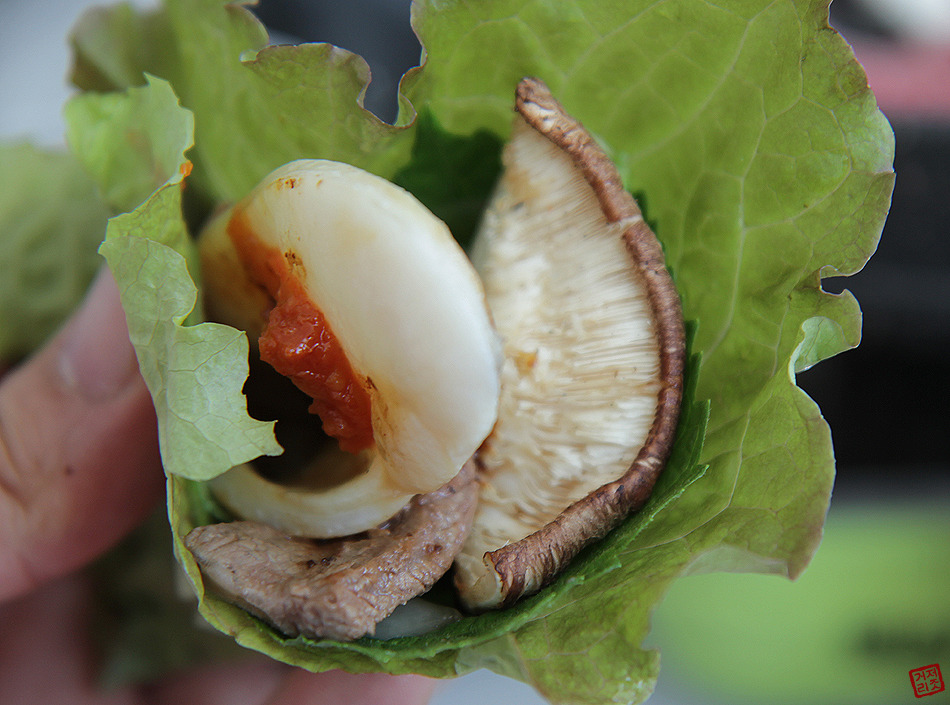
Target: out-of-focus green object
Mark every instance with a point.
(51, 221)
(146, 625)
(873, 605)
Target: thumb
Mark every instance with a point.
(79, 462)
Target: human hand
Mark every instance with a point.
(79, 468)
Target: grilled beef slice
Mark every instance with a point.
(341, 588)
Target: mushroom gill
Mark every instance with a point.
(593, 356)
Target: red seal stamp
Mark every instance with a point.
(927, 680)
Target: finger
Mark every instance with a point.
(79, 463)
(248, 681)
(302, 688)
(261, 681)
(46, 653)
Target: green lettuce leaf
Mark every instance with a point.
(51, 222)
(453, 176)
(114, 47)
(256, 107)
(748, 131)
(195, 373)
(134, 144)
(764, 164)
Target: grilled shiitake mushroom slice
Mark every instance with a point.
(594, 353)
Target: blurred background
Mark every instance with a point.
(875, 603)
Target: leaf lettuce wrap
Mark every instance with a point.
(747, 130)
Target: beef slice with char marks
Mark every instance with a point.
(340, 588)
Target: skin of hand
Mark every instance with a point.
(79, 468)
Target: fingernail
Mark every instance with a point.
(97, 359)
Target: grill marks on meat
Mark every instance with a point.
(341, 588)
